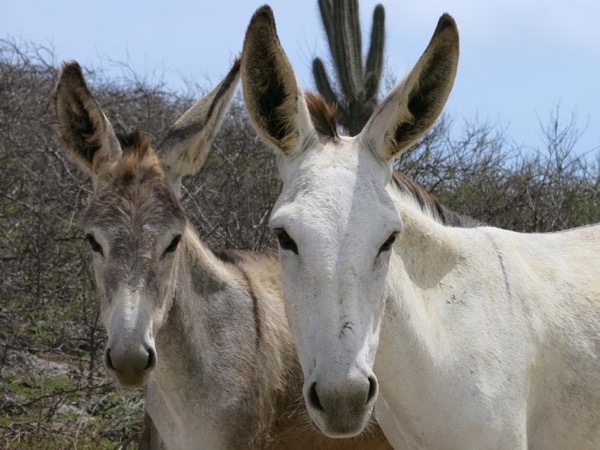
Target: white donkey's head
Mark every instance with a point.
(135, 222)
(335, 221)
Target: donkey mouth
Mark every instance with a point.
(130, 380)
(342, 427)
(129, 371)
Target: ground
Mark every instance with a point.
(59, 396)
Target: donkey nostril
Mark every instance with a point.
(313, 398)
(107, 359)
(372, 389)
(151, 359)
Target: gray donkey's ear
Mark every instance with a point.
(185, 148)
(84, 130)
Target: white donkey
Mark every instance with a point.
(463, 337)
(208, 333)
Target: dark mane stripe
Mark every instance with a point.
(230, 256)
(431, 205)
(236, 258)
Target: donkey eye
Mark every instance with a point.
(285, 241)
(388, 243)
(173, 245)
(94, 244)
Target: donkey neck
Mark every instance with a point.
(427, 258)
(199, 345)
(228, 358)
(438, 280)
(200, 278)
(426, 249)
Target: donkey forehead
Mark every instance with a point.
(136, 201)
(338, 184)
(349, 153)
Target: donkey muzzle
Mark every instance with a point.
(130, 364)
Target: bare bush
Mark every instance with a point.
(486, 176)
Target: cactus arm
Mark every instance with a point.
(353, 24)
(322, 82)
(355, 86)
(374, 66)
(345, 64)
(325, 8)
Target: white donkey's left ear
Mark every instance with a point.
(275, 103)
(185, 148)
(412, 107)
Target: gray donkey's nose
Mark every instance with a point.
(130, 364)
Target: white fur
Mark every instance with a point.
(490, 339)
(480, 338)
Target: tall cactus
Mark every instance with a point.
(357, 83)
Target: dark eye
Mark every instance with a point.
(285, 241)
(388, 243)
(94, 244)
(173, 245)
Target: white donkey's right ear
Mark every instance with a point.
(274, 100)
(84, 130)
(185, 148)
(412, 107)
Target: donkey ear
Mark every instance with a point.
(82, 126)
(275, 103)
(412, 107)
(185, 148)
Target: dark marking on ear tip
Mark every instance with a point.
(180, 132)
(70, 77)
(446, 22)
(263, 13)
(71, 70)
(236, 67)
(263, 17)
(232, 77)
(71, 66)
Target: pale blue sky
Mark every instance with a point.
(519, 58)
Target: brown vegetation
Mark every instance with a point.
(53, 389)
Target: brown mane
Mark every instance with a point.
(138, 154)
(134, 143)
(432, 205)
(323, 114)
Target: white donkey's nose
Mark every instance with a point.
(341, 406)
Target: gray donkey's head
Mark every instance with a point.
(134, 222)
